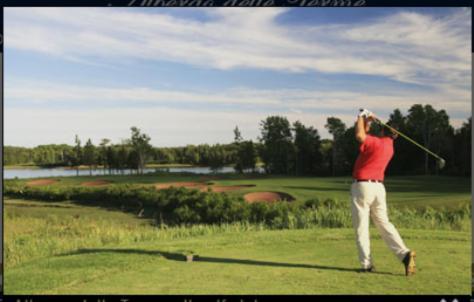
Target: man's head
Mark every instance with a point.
(387, 132)
(379, 130)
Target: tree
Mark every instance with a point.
(237, 135)
(191, 155)
(203, 153)
(401, 162)
(308, 149)
(249, 155)
(278, 149)
(462, 151)
(17, 155)
(132, 161)
(102, 153)
(141, 145)
(337, 128)
(90, 155)
(350, 150)
(430, 127)
(164, 155)
(216, 158)
(123, 157)
(111, 158)
(77, 159)
(246, 157)
(326, 152)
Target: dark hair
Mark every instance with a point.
(387, 132)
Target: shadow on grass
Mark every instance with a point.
(182, 257)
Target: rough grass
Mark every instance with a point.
(53, 248)
(36, 229)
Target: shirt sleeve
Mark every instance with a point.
(368, 143)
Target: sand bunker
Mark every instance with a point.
(95, 183)
(41, 182)
(218, 188)
(267, 196)
(189, 185)
(202, 186)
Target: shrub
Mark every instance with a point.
(180, 206)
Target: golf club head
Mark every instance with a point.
(441, 163)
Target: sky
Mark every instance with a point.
(190, 75)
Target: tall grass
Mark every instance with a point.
(28, 237)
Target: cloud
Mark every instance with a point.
(48, 93)
(30, 120)
(27, 92)
(430, 51)
(406, 46)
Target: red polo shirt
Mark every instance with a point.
(374, 156)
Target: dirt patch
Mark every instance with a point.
(190, 185)
(218, 189)
(41, 182)
(95, 183)
(267, 197)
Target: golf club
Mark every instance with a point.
(440, 161)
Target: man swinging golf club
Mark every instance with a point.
(369, 197)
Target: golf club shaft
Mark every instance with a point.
(408, 139)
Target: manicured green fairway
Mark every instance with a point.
(71, 249)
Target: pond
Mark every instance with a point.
(55, 172)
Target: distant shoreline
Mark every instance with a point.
(83, 167)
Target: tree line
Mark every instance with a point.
(282, 148)
(130, 154)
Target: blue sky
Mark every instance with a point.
(189, 76)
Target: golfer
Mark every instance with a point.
(369, 197)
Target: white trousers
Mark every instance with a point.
(368, 199)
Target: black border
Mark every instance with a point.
(245, 3)
(1, 148)
(217, 3)
(235, 298)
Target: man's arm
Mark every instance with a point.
(360, 133)
(362, 125)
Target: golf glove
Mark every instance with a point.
(364, 113)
